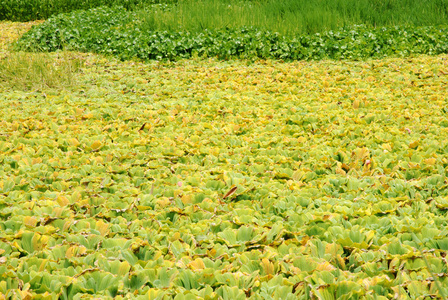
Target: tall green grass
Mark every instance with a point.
(294, 16)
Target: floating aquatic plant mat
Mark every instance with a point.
(208, 179)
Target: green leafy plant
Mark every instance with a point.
(119, 33)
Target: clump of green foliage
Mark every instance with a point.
(28, 10)
(120, 33)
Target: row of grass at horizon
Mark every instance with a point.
(292, 17)
(285, 17)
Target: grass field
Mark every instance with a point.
(286, 16)
(293, 16)
(207, 179)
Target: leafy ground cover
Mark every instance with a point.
(227, 179)
(114, 31)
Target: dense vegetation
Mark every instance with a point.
(120, 33)
(293, 17)
(28, 10)
(285, 16)
(225, 179)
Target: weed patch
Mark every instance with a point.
(27, 71)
